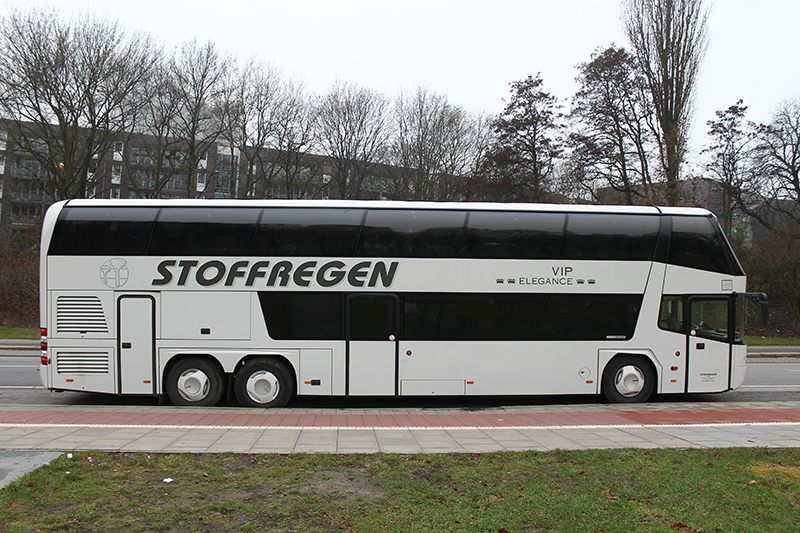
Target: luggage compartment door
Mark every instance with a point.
(136, 343)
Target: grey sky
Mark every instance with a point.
(467, 49)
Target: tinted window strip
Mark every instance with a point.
(610, 237)
(153, 231)
(286, 316)
(460, 249)
(734, 266)
(255, 233)
(102, 230)
(662, 245)
(663, 251)
(354, 251)
(698, 243)
(560, 250)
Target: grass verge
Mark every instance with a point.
(772, 341)
(686, 490)
(8, 332)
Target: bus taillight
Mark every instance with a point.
(45, 359)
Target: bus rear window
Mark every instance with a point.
(102, 231)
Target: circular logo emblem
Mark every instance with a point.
(114, 273)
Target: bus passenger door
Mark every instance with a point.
(372, 326)
(136, 343)
(709, 344)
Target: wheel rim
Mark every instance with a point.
(193, 385)
(263, 386)
(629, 381)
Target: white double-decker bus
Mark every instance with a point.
(204, 300)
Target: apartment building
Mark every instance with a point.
(138, 166)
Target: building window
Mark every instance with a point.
(116, 174)
(25, 214)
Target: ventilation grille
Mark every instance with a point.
(82, 363)
(80, 314)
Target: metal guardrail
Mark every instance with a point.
(19, 347)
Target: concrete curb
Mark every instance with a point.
(30, 343)
(16, 463)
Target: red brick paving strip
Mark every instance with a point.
(477, 419)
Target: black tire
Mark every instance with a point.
(263, 382)
(628, 379)
(194, 381)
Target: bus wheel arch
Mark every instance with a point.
(264, 381)
(194, 380)
(628, 378)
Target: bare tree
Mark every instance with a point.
(613, 139)
(729, 162)
(770, 195)
(295, 120)
(434, 146)
(669, 39)
(775, 178)
(272, 125)
(772, 262)
(353, 133)
(198, 72)
(249, 103)
(151, 155)
(65, 87)
(520, 165)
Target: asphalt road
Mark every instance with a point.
(769, 379)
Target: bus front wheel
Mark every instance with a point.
(194, 382)
(628, 379)
(263, 382)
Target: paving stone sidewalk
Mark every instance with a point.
(403, 430)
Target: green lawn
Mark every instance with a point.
(625, 490)
(8, 332)
(772, 341)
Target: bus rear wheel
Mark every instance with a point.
(263, 382)
(194, 382)
(628, 379)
